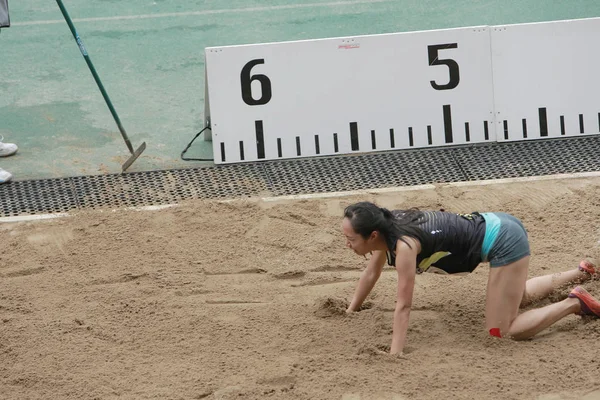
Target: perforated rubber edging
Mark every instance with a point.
(302, 176)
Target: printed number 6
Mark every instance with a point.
(452, 65)
(246, 80)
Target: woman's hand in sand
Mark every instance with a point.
(386, 353)
(397, 354)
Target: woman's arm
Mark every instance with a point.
(367, 280)
(406, 260)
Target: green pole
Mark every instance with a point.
(94, 74)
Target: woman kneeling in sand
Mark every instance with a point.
(414, 241)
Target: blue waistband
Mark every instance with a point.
(492, 228)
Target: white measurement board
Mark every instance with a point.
(546, 79)
(350, 95)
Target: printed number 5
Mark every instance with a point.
(246, 80)
(452, 65)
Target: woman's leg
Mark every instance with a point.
(505, 290)
(532, 322)
(541, 287)
(506, 287)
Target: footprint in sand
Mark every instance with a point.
(323, 282)
(386, 396)
(334, 268)
(124, 278)
(294, 274)
(242, 272)
(24, 272)
(191, 292)
(234, 302)
(281, 383)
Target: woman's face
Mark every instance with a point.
(355, 241)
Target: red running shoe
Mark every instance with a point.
(589, 305)
(587, 266)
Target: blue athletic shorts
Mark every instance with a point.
(505, 239)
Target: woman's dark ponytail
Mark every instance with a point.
(367, 217)
(386, 213)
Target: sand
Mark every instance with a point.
(245, 300)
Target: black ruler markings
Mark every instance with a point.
(486, 130)
(354, 136)
(543, 124)
(447, 123)
(242, 150)
(260, 139)
(543, 117)
(355, 143)
(223, 159)
(429, 137)
(373, 140)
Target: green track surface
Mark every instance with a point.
(150, 57)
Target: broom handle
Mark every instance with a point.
(94, 74)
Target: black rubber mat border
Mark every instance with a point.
(302, 176)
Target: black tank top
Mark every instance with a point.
(451, 242)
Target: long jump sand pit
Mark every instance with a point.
(245, 300)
